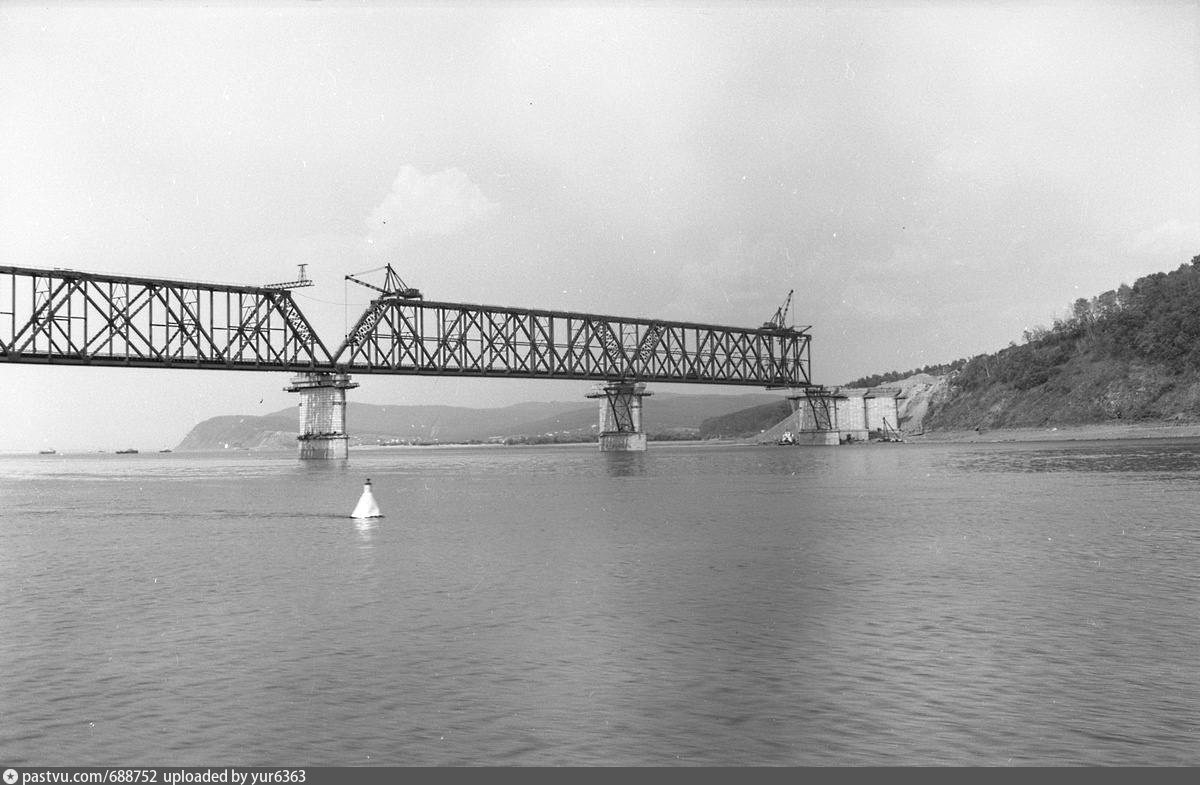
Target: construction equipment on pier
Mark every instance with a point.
(779, 320)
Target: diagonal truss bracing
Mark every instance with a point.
(399, 335)
(69, 317)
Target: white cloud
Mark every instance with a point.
(441, 203)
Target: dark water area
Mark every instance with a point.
(694, 605)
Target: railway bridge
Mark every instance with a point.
(69, 317)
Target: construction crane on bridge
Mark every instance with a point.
(778, 321)
(301, 280)
(393, 286)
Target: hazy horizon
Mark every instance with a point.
(291, 413)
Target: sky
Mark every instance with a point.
(931, 178)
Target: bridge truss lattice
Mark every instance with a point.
(70, 317)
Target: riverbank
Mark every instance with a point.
(1096, 432)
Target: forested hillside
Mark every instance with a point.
(1131, 353)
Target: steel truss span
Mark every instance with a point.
(73, 318)
(406, 336)
(66, 317)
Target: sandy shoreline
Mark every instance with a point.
(1064, 433)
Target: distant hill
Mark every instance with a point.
(665, 416)
(1128, 355)
(242, 432)
(746, 422)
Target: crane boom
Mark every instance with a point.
(393, 286)
(778, 321)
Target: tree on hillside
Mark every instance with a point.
(878, 379)
(1156, 320)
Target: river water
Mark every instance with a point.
(694, 605)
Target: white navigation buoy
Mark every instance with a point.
(366, 507)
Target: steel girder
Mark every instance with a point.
(75, 318)
(407, 336)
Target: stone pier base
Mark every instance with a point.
(322, 414)
(622, 442)
(819, 438)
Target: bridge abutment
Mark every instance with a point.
(322, 414)
(621, 416)
(822, 415)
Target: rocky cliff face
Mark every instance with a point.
(918, 393)
(1084, 392)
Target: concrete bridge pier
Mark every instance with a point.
(322, 414)
(821, 415)
(815, 413)
(621, 416)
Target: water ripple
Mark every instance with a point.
(690, 606)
